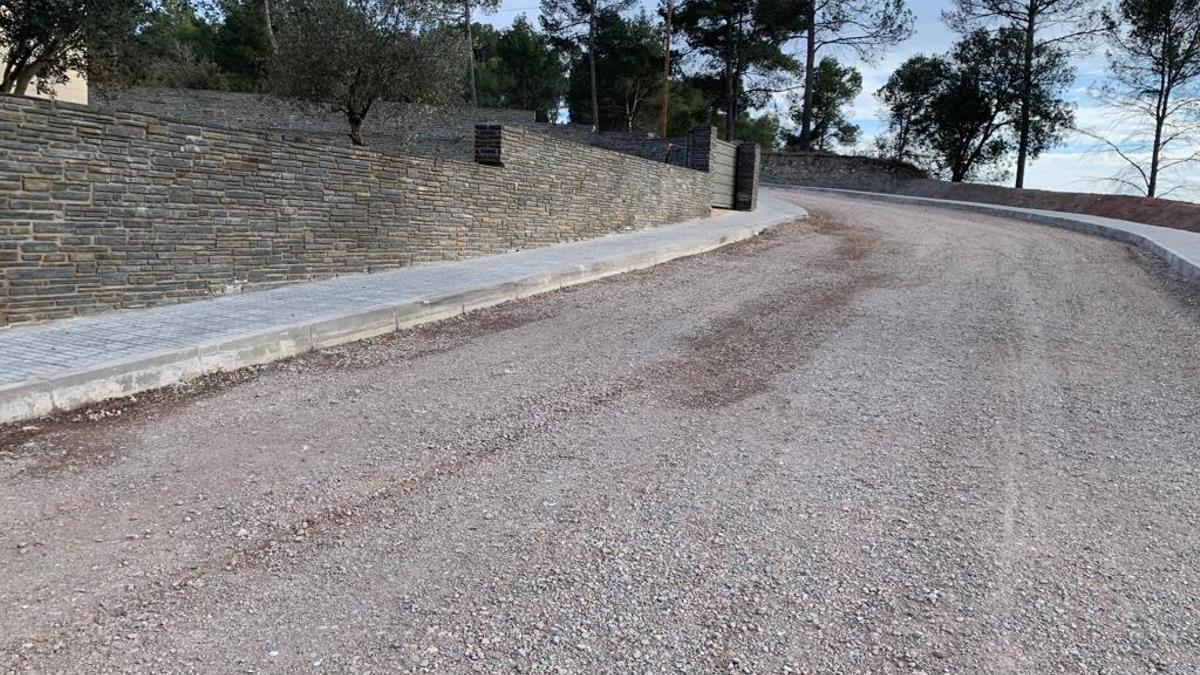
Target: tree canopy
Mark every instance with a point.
(1154, 62)
(1046, 29)
(348, 55)
(834, 87)
(519, 68)
(997, 95)
(742, 45)
(629, 56)
(957, 114)
(43, 40)
(573, 25)
(861, 27)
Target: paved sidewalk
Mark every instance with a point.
(68, 364)
(1180, 249)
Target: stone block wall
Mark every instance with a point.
(390, 128)
(674, 150)
(837, 171)
(103, 210)
(879, 175)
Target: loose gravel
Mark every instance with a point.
(888, 439)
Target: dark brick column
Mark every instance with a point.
(745, 183)
(488, 146)
(700, 147)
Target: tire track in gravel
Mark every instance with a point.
(856, 482)
(374, 501)
(330, 523)
(739, 354)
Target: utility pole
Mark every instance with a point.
(666, 88)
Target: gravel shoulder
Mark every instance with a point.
(887, 439)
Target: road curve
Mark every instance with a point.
(888, 439)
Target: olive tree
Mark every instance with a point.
(41, 41)
(349, 55)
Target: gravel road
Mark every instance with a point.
(887, 439)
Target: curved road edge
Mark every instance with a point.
(1179, 249)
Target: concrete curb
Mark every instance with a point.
(1152, 238)
(74, 389)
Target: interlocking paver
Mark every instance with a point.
(30, 353)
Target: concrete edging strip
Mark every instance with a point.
(71, 389)
(1179, 249)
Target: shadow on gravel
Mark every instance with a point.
(741, 353)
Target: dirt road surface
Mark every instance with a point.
(888, 439)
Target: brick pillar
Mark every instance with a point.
(700, 147)
(488, 146)
(745, 182)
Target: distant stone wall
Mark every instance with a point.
(673, 150)
(432, 132)
(390, 128)
(836, 171)
(878, 175)
(102, 210)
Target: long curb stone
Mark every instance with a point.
(66, 391)
(1148, 237)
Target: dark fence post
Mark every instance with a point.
(700, 147)
(745, 182)
(488, 145)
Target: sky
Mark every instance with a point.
(1078, 165)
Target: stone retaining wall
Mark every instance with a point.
(102, 210)
(836, 171)
(879, 175)
(414, 130)
(391, 128)
(674, 150)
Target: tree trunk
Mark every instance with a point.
(471, 52)
(592, 71)
(810, 65)
(7, 79)
(356, 122)
(19, 75)
(25, 77)
(960, 165)
(666, 86)
(1026, 99)
(270, 27)
(1160, 118)
(901, 141)
(730, 87)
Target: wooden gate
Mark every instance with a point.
(722, 171)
